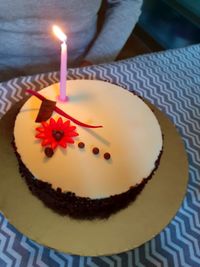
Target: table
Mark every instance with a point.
(171, 81)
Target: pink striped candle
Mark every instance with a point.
(63, 62)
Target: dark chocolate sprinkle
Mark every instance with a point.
(59, 191)
(48, 152)
(58, 135)
(107, 156)
(81, 145)
(95, 150)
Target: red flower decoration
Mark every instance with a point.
(56, 133)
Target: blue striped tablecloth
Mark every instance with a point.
(171, 81)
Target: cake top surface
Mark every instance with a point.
(130, 134)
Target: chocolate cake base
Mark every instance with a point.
(67, 203)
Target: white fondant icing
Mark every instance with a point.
(130, 133)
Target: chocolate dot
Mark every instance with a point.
(81, 145)
(106, 156)
(58, 135)
(48, 152)
(95, 150)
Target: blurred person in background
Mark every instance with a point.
(96, 30)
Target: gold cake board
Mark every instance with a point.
(141, 221)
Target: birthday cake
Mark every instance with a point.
(93, 154)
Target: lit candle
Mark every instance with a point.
(63, 62)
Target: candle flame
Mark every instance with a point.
(59, 33)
